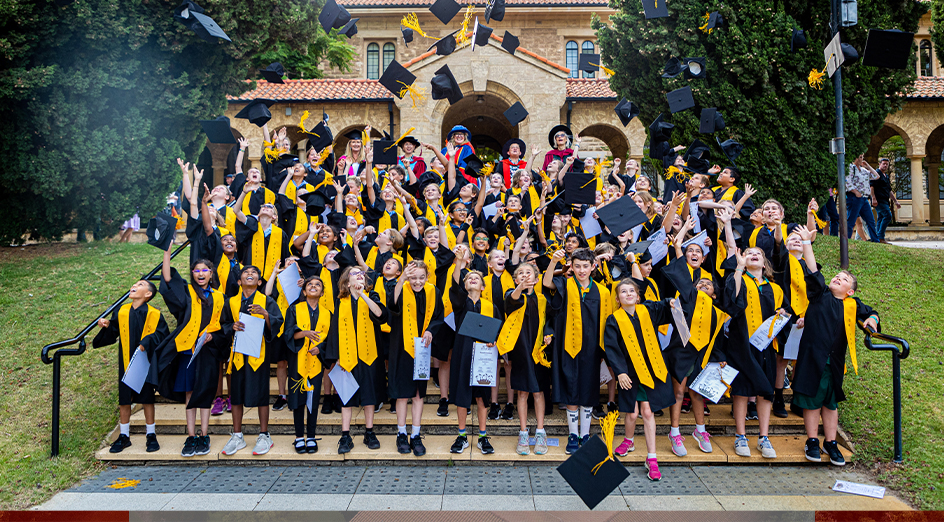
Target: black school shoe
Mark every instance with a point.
(508, 412)
(611, 407)
(327, 405)
(485, 446)
(311, 446)
(779, 408)
(403, 444)
(835, 456)
(300, 445)
(152, 444)
(461, 443)
(416, 443)
(345, 445)
(658, 413)
(751, 411)
(494, 410)
(370, 440)
(189, 447)
(812, 450)
(201, 445)
(122, 442)
(597, 411)
(280, 403)
(443, 410)
(337, 403)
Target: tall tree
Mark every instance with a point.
(937, 28)
(98, 98)
(758, 84)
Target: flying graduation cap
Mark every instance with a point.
(495, 9)
(480, 34)
(695, 68)
(161, 230)
(274, 73)
(589, 62)
(797, 40)
(715, 21)
(397, 79)
(626, 111)
(673, 67)
(333, 16)
(510, 42)
(407, 35)
(730, 148)
(711, 121)
(350, 28)
(257, 111)
(445, 10)
(655, 8)
(621, 215)
(889, 48)
(680, 99)
(445, 45)
(191, 15)
(218, 130)
(592, 471)
(445, 86)
(515, 114)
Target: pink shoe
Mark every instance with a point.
(652, 466)
(625, 448)
(228, 405)
(217, 408)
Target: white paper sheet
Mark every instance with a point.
(700, 240)
(710, 382)
(636, 230)
(844, 486)
(137, 371)
(310, 400)
(288, 278)
(605, 376)
(589, 224)
(421, 356)
(792, 348)
(484, 365)
(664, 339)
(763, 336)
(451, 321)
(658, 249)
(490, 210)
(249, 341)
(344, 382)
(693, 211)
(681, 324)
(196, 349)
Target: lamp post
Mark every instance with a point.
(844, 13)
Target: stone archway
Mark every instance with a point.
(483, 115)
(878, 140)
(932, 161)
(613, 138)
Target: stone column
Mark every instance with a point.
(220, 152)
(917, 191)
(934, 195)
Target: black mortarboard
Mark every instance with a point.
(385, 152)
(333, 16)
(697, 166)
(621, 215)
(673, 67)
(407, 35)
(741, 227)
(396, 77)
(680, 99)
(510, 42)
(354, 135)
(695, 68)
(409, 139)
(182, 12)
(480, 34)
(852, 56)
(555, 130)
(445, 10)
(495, 10)
(320, 136)
(626, 110)
(350, 28)
(274, 73)
(580, 188)
(658, 148)
(206, 28)
(257, 111)
(731, 149)
(479, 327)
(578, 469)
(218, 130)
(445, 86)
(698, 149)
(659, 129)
(445, 45)
(797, 40)
(637, 248)
(589, 62)
(522, 146)
(337, 219)
(715, 21)
(655, 8)
(516, 113)
(711, 121)
(890, 49)
(473, 167)
(161, 229)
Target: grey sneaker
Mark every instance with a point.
(704, 440)
(741, 447)
(234, 444)
(540, 443)
(766, 448)
(523, 448)
(677, 445)
(263, 444)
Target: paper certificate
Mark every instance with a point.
(699, 239)
(490, 210)
(713, 381)
(859, 489)
(344, 382)
(605, 376)
(484, 365)
(764, 335)
(664, 339)
(421, 355)
(792, 348)
(196, 349)
(658, 249)
(137, 371)
(589, 224)
(288, 279)
(681, 324)
(249, 341)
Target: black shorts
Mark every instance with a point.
(127, 396)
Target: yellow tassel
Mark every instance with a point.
(122, 483)
(416, 93)
(273, 154)
(487, 170)
(594, 180)
(411, 22)
(604, 69)
(404, 135)
(301, 385)
(545, 177)
(819, 222)
(322, 157)
(815, 78)
(704, 27)
(607, 430)
(466, 20)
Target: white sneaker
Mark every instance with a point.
(523, 447)
(741, 448)
(540, 443)
(234, 444)
(263, 444)
(766, 448)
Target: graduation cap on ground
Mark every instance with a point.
(673, 67)
(257, 111)
(626, 110)
(350, 28)
(161, 229)
(731, 149)
(480, 34)
(495, 10)
(407, 35)
(890, 49)
(473, 167)
(510, 42)
(621, 215)
(445, 86)
(680, 99)
(711, 121)
(516, 113)
(320, 136)
(445, 10)
(445, 45)
(637, 248)
(797, 40)
(655, 8)
(385, 152)
(556, 129)
(589, 62)
(580, 188)
(695, 68)
(274, 73)
(396, 78)
(333, 16)
(479, 327)
(218, 130)
(592, 471)
(206, 28)
(659, 129)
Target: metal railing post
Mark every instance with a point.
(56, 363)
(896, 382)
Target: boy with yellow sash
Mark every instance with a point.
(261, 242)
(828, 331)
(498, 282)
(256, 195)
(136, 325)
(581, 307)
(250, 375)
(726, 190)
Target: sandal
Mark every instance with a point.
(300, 445)
(312, 446)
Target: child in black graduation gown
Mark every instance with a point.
(828, 330)
(136, 325)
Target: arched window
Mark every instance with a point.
(587, 48)
(390, 53)
(572, 58)
(925, 60)
(373, 61)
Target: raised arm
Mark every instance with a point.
(809, 257)
(243, 145)
(358, 257)
(535, 151)
(408, 216)
(450, 166)
(205, 212)
(270, 284)
(680, 238)
(811, 210)
(284, 186)
(265, 133)
(668, 219)
(748, 192)
(194, 202)
(313, 230)
(549, 274)
(165, 267)
(238, 207)
(371, 195)
(185, 179)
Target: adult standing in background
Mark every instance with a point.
(857, 202)
(882, 198)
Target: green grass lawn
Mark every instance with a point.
(49, 292)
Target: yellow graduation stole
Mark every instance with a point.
(511, 330)
(429, 259)
(649, 340)
(506, 281)
(382, 292)
(722, 317)
(753, 241)
(309, 365)
(849, 307)
(321, 251)
(430, 214)
(223, 268)
(703, 275)
(700, 327)
(385, 220)
(798, 298)
(268, 196)
(267, 256)
(258, 298)
(359, 343)
(372, 259)
(150, 325)
(301, 223)
(355, 213)
(187, 337)
(410, 328)
(533, 197)
(574, 333)
(447, 303)
(754, 314)
(292, 189)
(327, 296)
(451, 234)
(722, 248)
(229, 217)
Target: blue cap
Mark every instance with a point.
(458, 128)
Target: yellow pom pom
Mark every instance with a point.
(816, 78)
(411, 22)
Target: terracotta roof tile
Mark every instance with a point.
(498, 39)
(578, 88)
(316, 90)
(928, 87)
(509, 3)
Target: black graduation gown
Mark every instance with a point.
(824, 338)
(461, 393)
(203, 246)
(444, 338)
(757, 368)
(746, 210)
(251, 387)
(576, 380)
(256, 198)
(400, 383)
(244, 234)
(296, 397)
(526, 375)
(370, 378)
(111, 335)
(661, 395)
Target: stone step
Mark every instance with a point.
(790, 450)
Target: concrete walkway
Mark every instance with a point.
(460, 488)
(934, 245)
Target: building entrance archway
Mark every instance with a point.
(483, 115)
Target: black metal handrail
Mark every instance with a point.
(900, 350)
